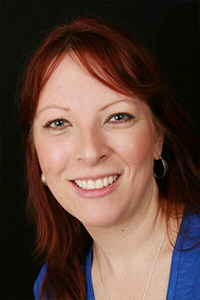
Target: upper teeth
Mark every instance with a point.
(96, 184)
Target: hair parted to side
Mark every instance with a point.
(116, 59)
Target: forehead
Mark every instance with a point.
(70, 84)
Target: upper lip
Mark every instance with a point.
(94, 177)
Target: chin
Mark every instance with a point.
(99, 219)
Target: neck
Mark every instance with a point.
(119, 244)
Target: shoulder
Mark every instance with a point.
(189, 259)
(39, 281)
(87, 272)
(184, 279)
(191, 225)
(189, 233)
(193, 217)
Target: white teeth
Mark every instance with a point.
(110, 179)
(84, 184)
(80, 183)
(96, 184)
(90, 185)
(99, 184)
(105, 181)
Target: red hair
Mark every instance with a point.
(116, 59)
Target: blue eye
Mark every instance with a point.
(57, 124)
(120, 118)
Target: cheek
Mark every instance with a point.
(53, 155)
(136, 148)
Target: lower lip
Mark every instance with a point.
(96, 193)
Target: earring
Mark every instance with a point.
(43, 179)
(165, 169)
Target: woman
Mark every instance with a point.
(113, 187)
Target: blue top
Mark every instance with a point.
(184, 280)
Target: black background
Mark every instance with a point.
(169, 30)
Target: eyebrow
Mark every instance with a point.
(52, 106)
(119, 101)
(67, 109)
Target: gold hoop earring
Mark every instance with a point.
(165, 169)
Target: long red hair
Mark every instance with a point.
(116, 59)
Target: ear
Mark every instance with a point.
(158, 144)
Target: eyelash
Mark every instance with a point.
(50, 123)
(127, 117)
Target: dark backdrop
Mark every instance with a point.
(168, 29)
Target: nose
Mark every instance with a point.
(91, 148)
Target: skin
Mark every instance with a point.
(91, 142)
(84, 146)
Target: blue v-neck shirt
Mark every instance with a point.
(184, 280)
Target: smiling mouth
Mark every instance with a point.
(100, 183)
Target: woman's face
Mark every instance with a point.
(95, 147)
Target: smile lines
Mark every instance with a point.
(96, 184)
